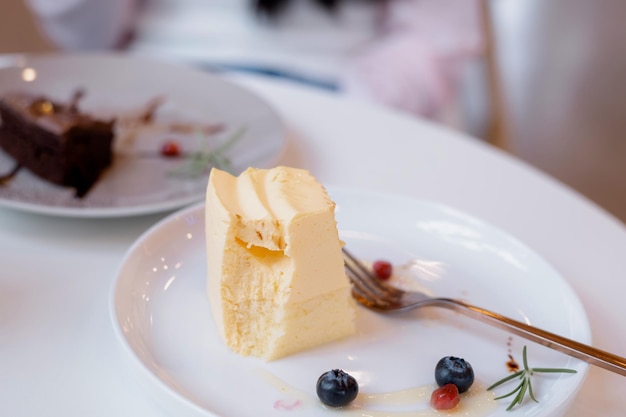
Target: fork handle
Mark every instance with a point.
(562, 344)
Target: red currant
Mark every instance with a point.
(170, 149)
(382, 269)
(445, 397)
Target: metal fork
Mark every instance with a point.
(374, 294)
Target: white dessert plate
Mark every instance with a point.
(162, 317)
(140, 180)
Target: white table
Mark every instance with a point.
(58, 353)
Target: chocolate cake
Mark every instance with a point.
(55, 141)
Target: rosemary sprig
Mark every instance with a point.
(199, 162)
(525, 384)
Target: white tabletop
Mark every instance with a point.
(58, 352)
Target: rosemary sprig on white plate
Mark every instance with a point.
(200, 162)
(525, 381)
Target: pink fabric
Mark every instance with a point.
(419, 48)
(417, 63)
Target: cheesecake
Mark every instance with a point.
(276, 280)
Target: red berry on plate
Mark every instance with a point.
(382, 269)
(445, 397)
(170, 149)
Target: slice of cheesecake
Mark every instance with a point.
(276, 279)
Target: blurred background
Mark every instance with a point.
(548, 88)
(18, 30)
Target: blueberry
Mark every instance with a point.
(457, 371)
(336, 388)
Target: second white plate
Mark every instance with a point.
(120, 85)
(162, 316)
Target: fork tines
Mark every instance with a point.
(367, 288)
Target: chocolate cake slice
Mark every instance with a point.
(55, 141)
